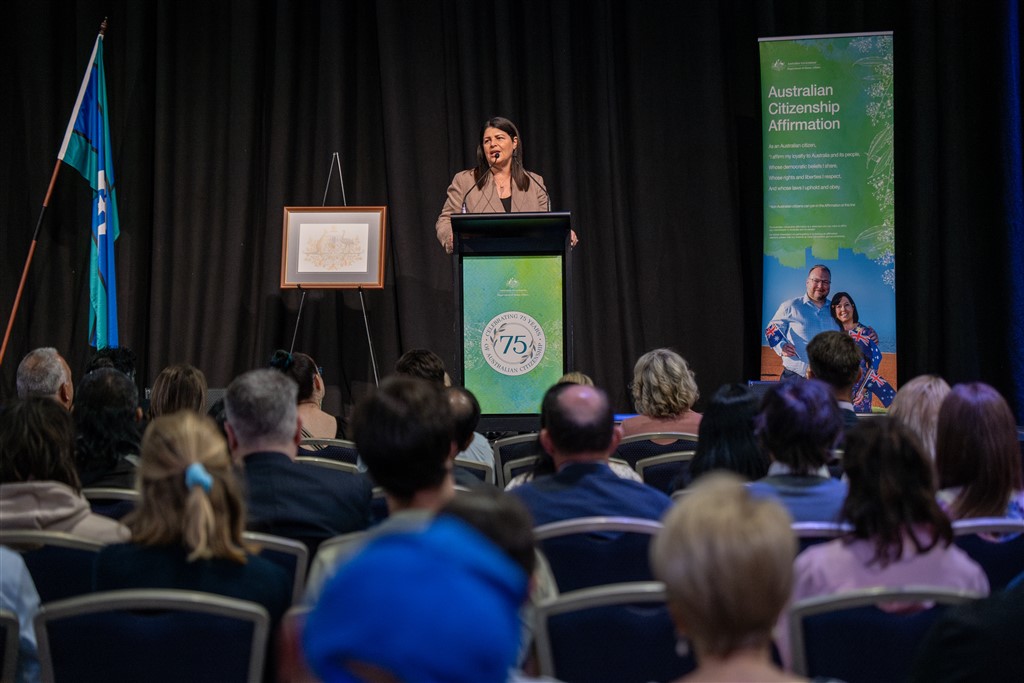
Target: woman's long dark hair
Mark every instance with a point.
(105, 420)
(726, 435)
(519, 174)
(892, 490)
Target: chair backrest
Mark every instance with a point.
(290, 555)
(379, 505)
(484, 473)
(620, 633)
(317, 461)
(61, 564)
(594, 551)
(341, 450)
(114, 503)
(848, 637)
(8, 645)
(512, 448)
(153, 636)
(640, 446)
(813, 533)
(513, 468)
(662, 471)
(995, 543)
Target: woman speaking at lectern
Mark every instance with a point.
(498, 183)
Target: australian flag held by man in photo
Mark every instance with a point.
(87, 148)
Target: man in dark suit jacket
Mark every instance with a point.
(287, 498)
(578, 430)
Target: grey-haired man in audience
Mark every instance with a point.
(43, 372)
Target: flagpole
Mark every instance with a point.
(35, 236)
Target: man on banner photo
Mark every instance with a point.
(87, 148)
(798, 320)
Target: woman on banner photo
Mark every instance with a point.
(844, 312)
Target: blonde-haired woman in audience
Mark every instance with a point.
(917, 406)
(576, 377)
(726, 558)
(187, 528)
(977, 455)
(664, 391)
(178, 387)
(39, 486)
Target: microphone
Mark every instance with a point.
(546, 193)
(471, 187)
(496, 155)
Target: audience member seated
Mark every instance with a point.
(917, 406)
(403, 431)
(18, 595)
(118, 357)
(316, 424)
(465, 416)
(287, 498)
(798, 426)
(43, 372)
(439, 604)
(977, 455)
(427, 365)
(726, 558)
(39, 488)
(186, 532)
(833, 358)
(726, 437)
(178, 387)
(979, 641)
(664, 391)
(576, 377)
(578, 430)
(107, 417)
(899, 536)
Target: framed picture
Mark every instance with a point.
(333, 247)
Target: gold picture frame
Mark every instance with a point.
(333, 247)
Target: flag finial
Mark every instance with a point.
(103, 27)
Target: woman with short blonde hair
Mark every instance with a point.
(726, 559)
(664, 392)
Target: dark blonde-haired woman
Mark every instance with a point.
(664, 391)
(178, 387)
(187, 528)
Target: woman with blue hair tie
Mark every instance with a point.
(187, 527)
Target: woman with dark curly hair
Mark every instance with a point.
(107, 417)
(316, 424)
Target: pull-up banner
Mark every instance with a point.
(827, 118)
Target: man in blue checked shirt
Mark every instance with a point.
(798, 320)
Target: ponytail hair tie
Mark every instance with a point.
(282, 360)
(196, 475)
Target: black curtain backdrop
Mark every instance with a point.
(644, 118)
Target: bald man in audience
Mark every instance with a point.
(578, 430)
(43, 372)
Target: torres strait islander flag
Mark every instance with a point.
(87, 148)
